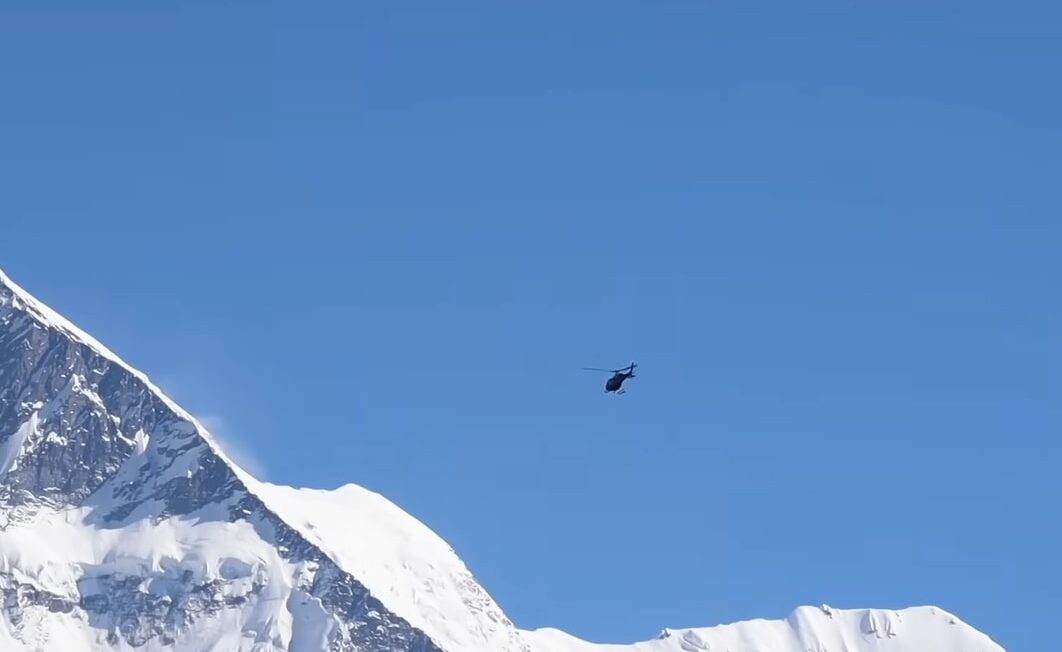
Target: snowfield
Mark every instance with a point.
(125, 527)
(68, 560)
(814, 629)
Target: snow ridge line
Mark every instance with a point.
(49, 318)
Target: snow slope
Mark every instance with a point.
(807, 629)
(124, 526)
(399, 558)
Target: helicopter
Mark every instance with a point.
(615, 383)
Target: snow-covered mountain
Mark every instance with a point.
(124, 526)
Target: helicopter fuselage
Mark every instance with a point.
(614, 383)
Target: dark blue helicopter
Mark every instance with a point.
(615, 383)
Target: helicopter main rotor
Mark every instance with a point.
(628, 368)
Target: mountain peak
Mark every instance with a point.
(94, 455)
(14, 297)
(51, 370)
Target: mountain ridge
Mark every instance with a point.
(807, 628)
(189, 474)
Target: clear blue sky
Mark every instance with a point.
(376, 245)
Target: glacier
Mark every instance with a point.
(125, 526)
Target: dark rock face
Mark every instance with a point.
(80, 430)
